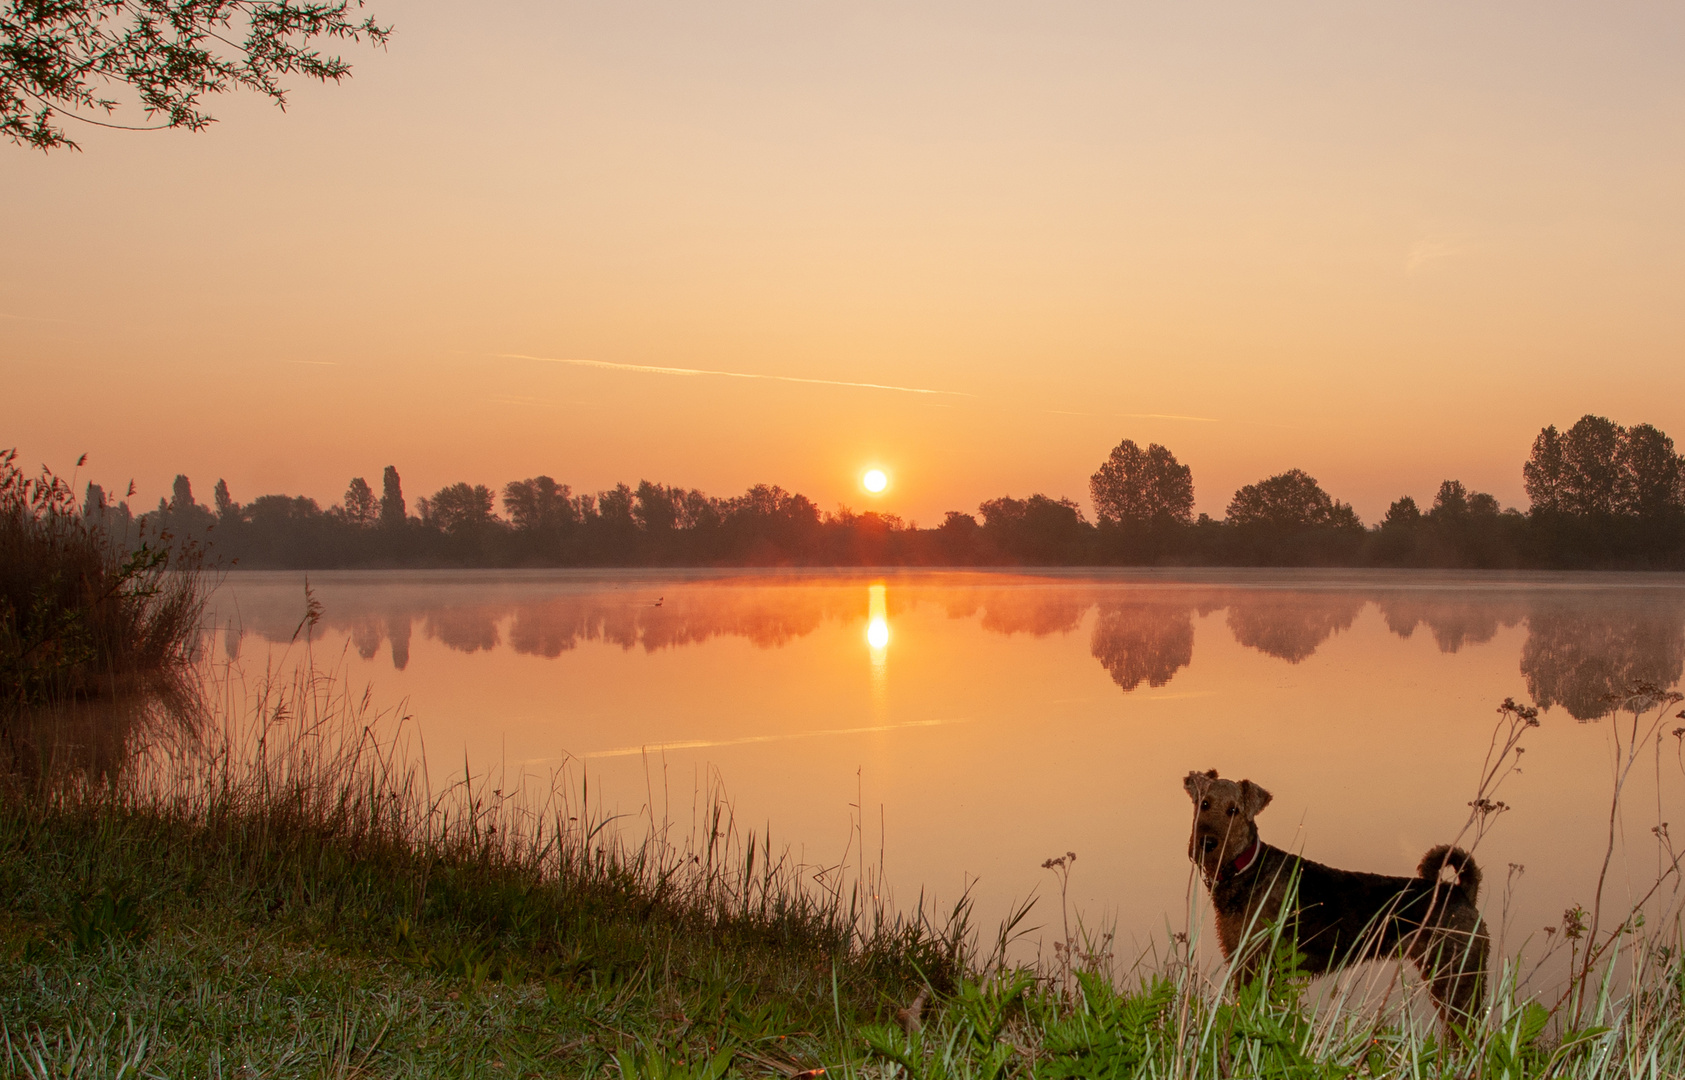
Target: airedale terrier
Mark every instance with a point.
(1339, 917)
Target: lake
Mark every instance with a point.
(970, 725)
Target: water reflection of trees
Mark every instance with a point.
(1453, 618)
(554, 627)
(365, 637)
(1143, 640)
(1290, 625)
(1580, 643)
(398, 633)
(1034, 611)
(1577, 653)
(548, 626)
(466, 629)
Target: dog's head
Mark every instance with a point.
(1223, 813)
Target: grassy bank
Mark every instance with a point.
(284, 893)
(296, 890)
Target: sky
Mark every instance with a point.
(1385, 243)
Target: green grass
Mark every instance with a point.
(283, 894)
(292, 890)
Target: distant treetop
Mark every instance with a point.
(1135, 485)
(1292, 499)
(391, 499)
(1597, 468)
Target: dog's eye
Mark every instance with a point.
(1231, 811)
(1205, 804)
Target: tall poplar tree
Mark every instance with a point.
(391, 499)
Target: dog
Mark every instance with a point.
(1338, 917)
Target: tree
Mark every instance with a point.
(1593, 478)
(538, 504)
(655, 507)
(181, 515)
(360, 506)
(59, 58)
(227, 510)
(93, 502)
(391, 499)
(1452, 501)
(1135, 485)
(1654, 472)
(614, 507)
(1599, 469)
(461, 508)
(1292, 499)
(1037, 511)
(771, 504)
(1544, 472)
(1036, 528)
(273, 512)
(695, 509)
(1402, 514)
(1455, 502)
(98, 511)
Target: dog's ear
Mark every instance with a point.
(1197, 782)
(1254, 798)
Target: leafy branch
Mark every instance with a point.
(60, 58)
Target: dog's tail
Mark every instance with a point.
(1460, 862)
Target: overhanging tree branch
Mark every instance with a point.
(58, 58)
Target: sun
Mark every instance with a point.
(874, 481)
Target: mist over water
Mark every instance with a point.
(966, 726)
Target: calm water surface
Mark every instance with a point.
(986, 722)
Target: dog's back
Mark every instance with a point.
(1348, 915)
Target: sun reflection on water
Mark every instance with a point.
(877, 642)
(877, 620)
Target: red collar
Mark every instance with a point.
(1247, 858)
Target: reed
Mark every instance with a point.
(85, 614)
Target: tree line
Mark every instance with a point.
(1601, 496)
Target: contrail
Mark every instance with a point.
(1137, 416)
(723, 374)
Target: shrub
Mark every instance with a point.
(82, 613)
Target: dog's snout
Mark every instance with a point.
(1209, 843)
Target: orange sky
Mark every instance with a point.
(1384, 243)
